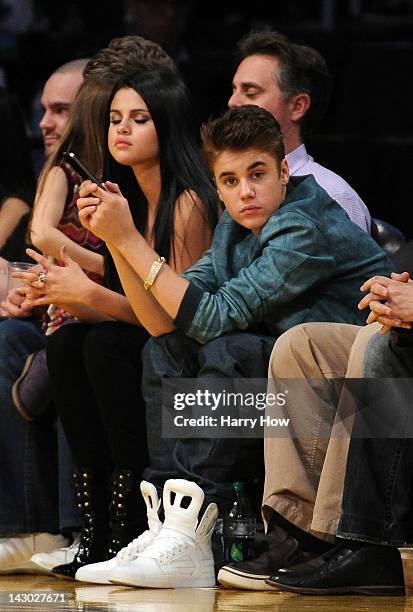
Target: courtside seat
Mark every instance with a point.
(389, 237)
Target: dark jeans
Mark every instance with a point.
(36, 466)
(377, 501)
(212, 463)
(96, 375)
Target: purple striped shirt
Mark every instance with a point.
(300, 162)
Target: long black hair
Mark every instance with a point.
(182, 165)
(16, 165)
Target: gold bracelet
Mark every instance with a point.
(153, 272)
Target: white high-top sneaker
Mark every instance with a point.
(181, 555)
(99, 572)
(62, 555)
(16, 551)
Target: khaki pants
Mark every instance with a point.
(304, 477)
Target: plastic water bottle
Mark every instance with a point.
(239, 528)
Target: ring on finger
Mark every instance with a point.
(42, 277)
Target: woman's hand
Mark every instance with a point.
(55, 284)
(105, 213)
(14, 305)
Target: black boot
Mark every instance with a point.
(127, 511)
(92, 497)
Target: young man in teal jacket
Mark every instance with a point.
(283, 253)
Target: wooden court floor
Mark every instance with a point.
(68, 595)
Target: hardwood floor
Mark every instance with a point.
(85, 597)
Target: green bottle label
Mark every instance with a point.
(237, 553)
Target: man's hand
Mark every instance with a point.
(390, 301)
(106, 213)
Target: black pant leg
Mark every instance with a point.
(74, 398)
(112, 356)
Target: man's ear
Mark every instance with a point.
(299, 105)
(219, 195)
(284, 172)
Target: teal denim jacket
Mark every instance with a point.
(307, 264)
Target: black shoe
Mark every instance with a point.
(252, 574)
(92, 496)
(349, 568)
(93, 548)
(127, 511)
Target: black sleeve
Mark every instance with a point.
(187, 309)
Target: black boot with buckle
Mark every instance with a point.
(127, 511)
(92, 498)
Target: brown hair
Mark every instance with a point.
(301, 70)
(127, 55)
(241, 128)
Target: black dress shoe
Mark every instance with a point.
(251, 575)
(350, 567)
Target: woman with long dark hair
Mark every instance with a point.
(153, 155)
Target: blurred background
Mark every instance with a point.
(367, 134)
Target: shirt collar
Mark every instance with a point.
(298, 158)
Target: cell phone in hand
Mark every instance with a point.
(79, 167)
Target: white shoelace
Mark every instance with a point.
(167, 545)
(131, 551)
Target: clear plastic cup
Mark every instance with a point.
(16, 266)
(407, 561)
(4, 281)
